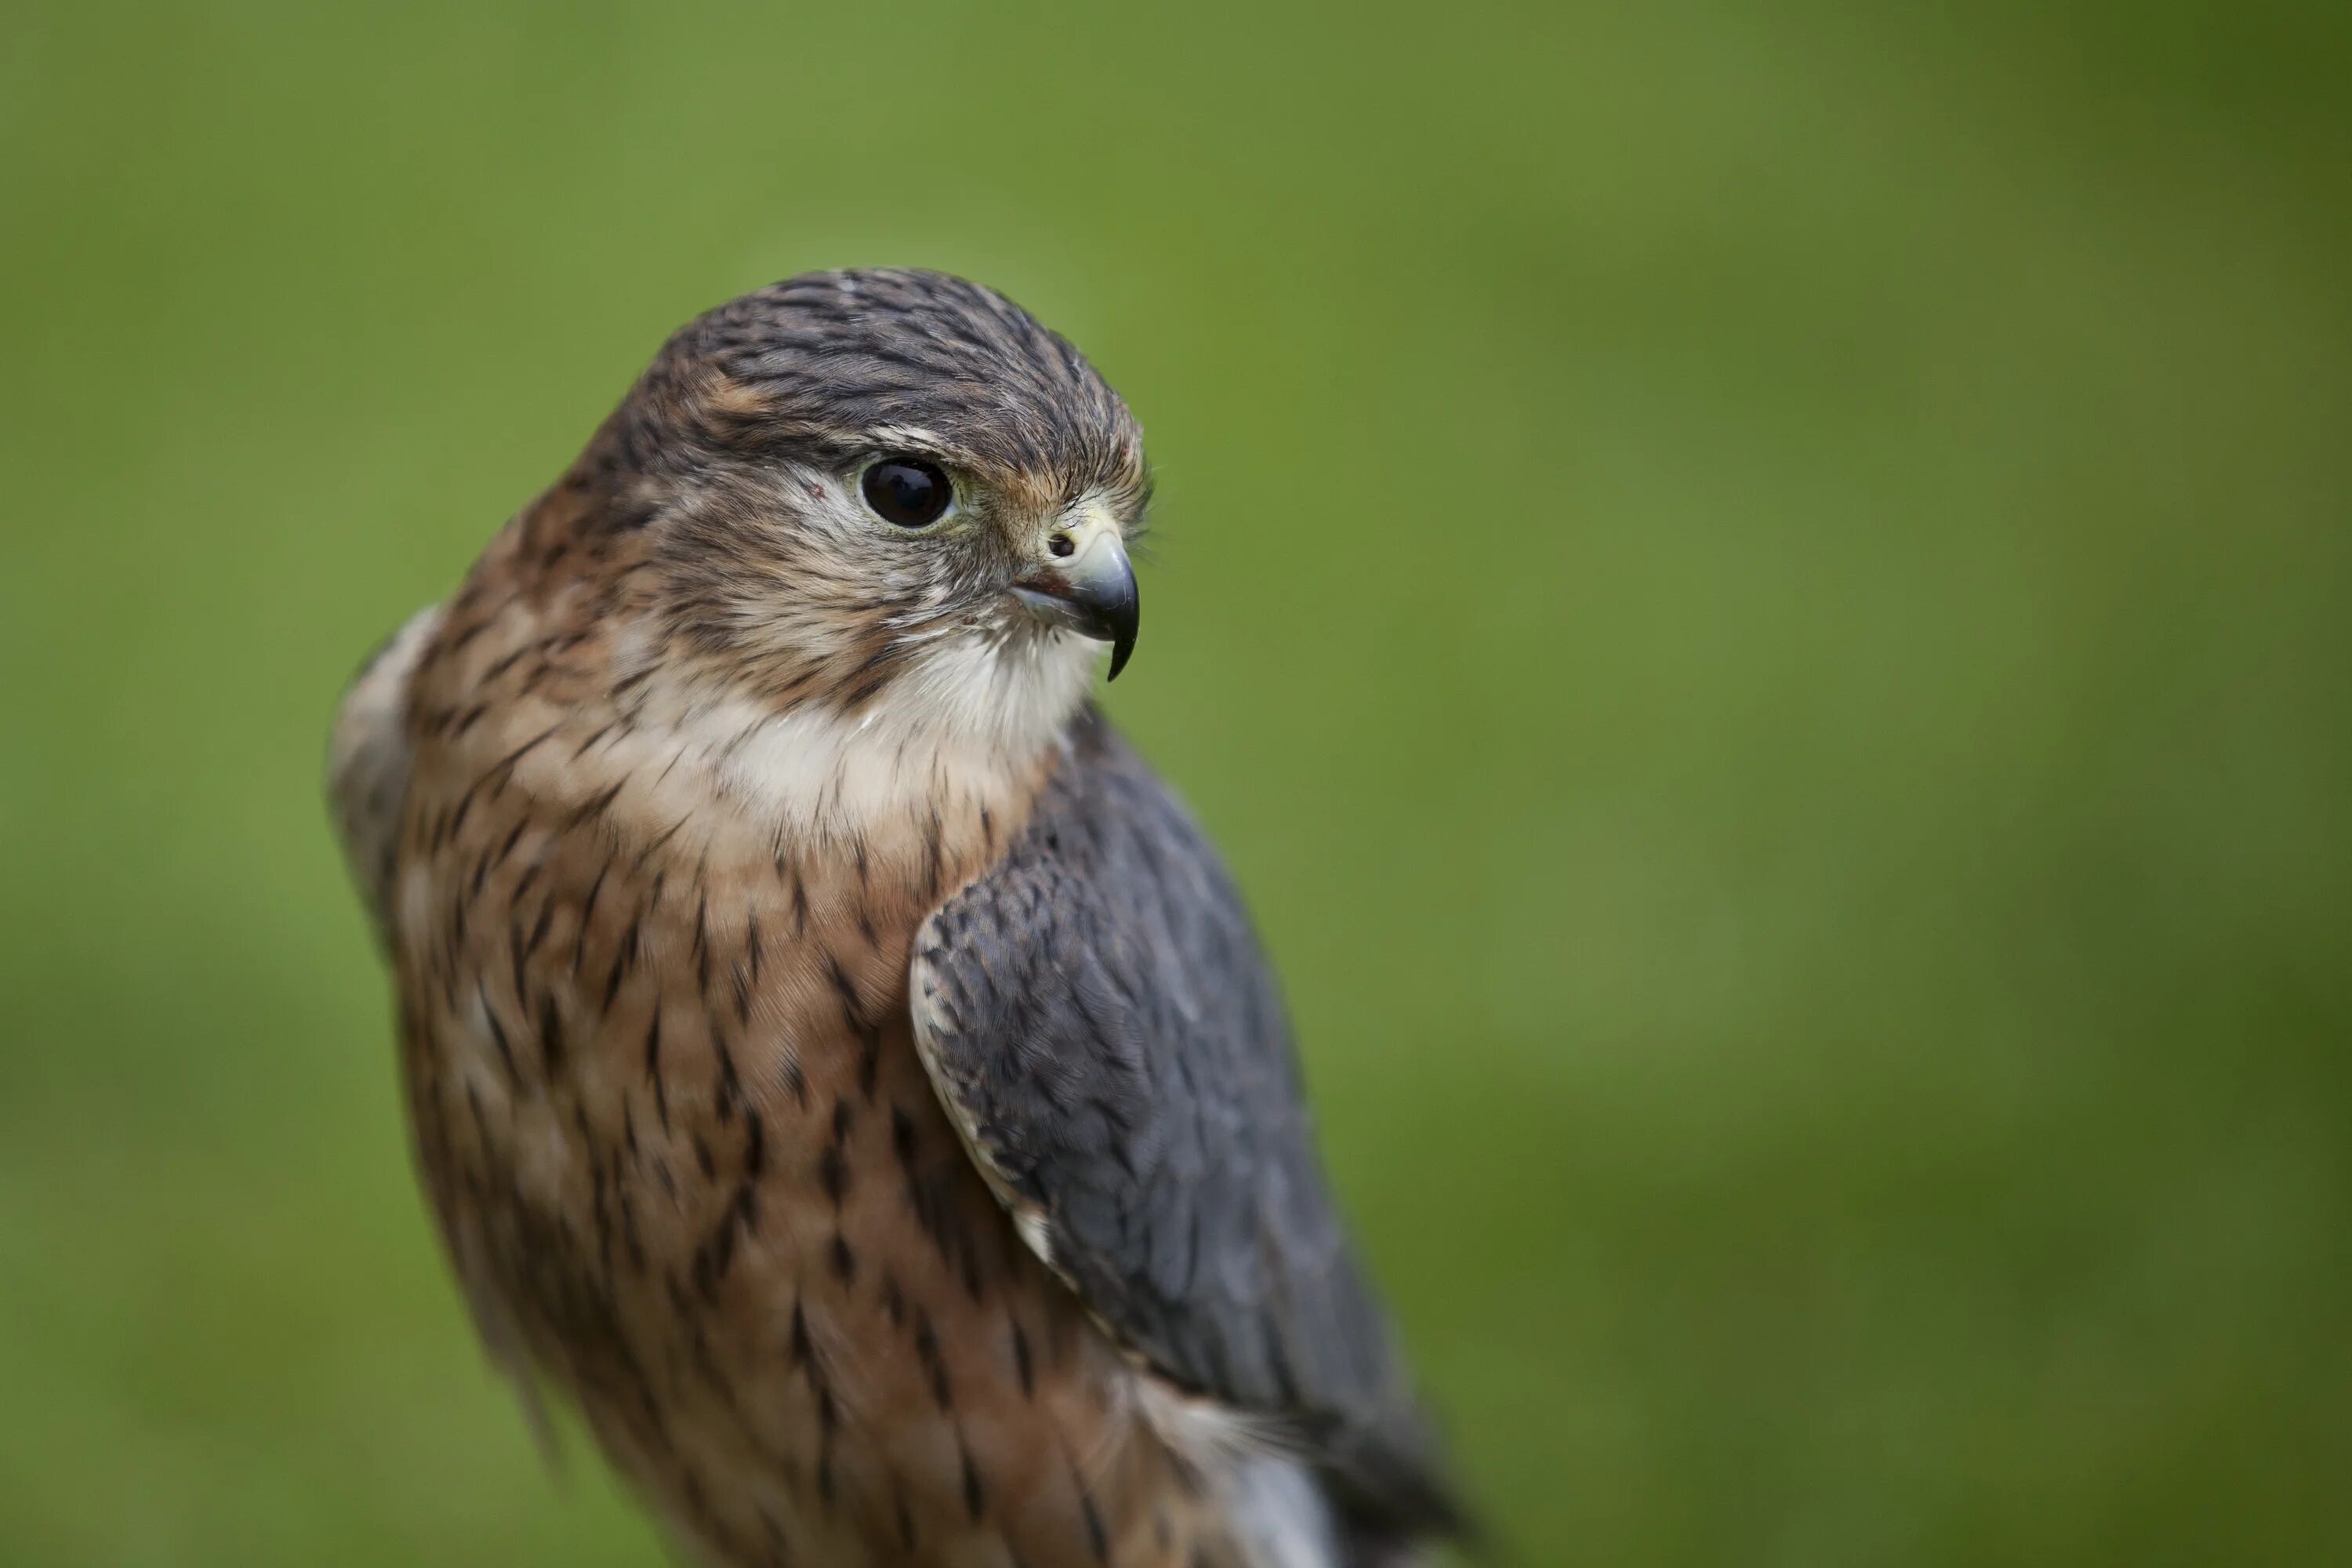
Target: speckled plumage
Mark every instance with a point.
(658, 814)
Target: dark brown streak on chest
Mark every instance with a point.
(674, 1127)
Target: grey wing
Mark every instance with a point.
(1097, 1017)
(368, 760)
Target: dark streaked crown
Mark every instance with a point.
(827, 364)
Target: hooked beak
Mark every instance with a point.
(1086, 583)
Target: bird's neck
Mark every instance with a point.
(588, 713)
(915, 764)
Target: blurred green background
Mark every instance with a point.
(1758, 596)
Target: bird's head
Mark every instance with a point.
(864, 493)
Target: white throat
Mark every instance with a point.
(966, 723)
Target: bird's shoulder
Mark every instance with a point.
(372, 754)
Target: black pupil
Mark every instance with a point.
(908, 491)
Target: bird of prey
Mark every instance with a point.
(836, 1061)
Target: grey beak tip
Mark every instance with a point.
(1095, 595)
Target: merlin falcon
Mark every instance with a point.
(836, 1061)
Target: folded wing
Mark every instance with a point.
(1100, 1021)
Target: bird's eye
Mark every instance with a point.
(908, 491)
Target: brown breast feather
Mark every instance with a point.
(674, 1132)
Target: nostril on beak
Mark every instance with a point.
(1062, 545)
